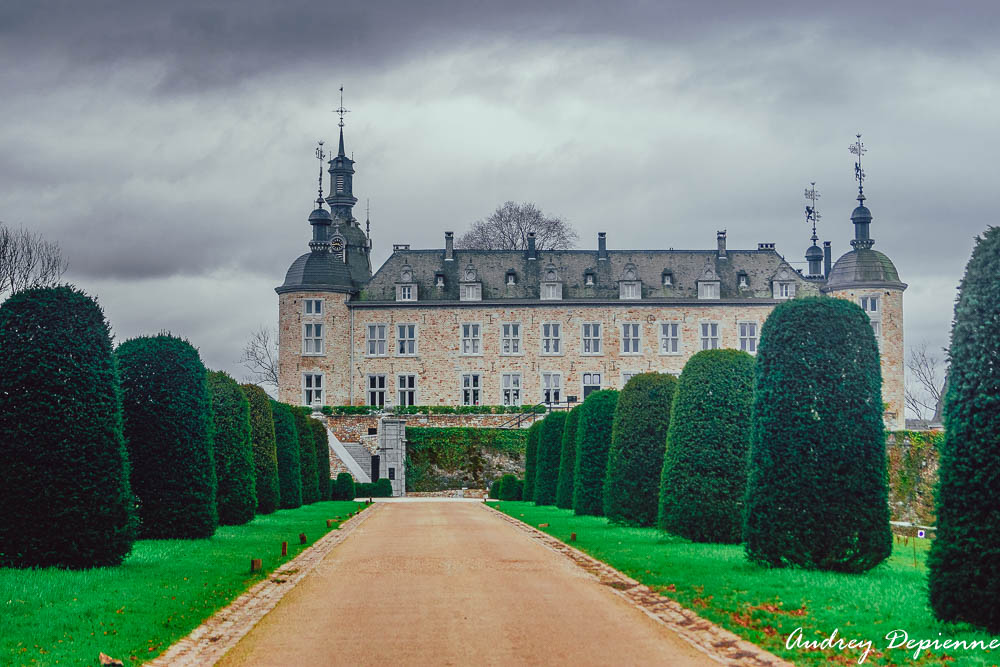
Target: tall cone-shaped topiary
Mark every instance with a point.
(322, 442)
(632, 479)
(593, 439)
(567, 457)
(547, 458)
(233, 451)
(307, 455)
(964, 562)
(704, 478)
(168, 430)
(286, 440)
(817, 491)
(65, 500)
(265, 453)
(530, 451)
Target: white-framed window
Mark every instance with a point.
(312, 338)
(472, 339)
(591, 338)
(670, 338)
(591, 382)
(630, 290)
(406, 390)
(552, 291)
(376, 340)
(870, 304)
(708, 290)
(510, 338)
(471, 388)
(312, 389)
(406, 293)
(784, 290)
(376, 389)
(510, 388)
(748, 337)
(631, 338)
(406, 340)
(668, 279)
(312, 307)
(743, 280)
(471, 292)
(877, 329)
(709, 335)
(551, 387)
(628, 375)
(551, 338)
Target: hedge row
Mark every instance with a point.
(234, 470)
(380, 488)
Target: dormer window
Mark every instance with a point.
(708, 289)
(668, 279)
(511, 278)
(742, 280)
(783, 289)
(551, 291)
(439, 280)
(471, 292)
(588, 279)
(630, 289)
(406, 292)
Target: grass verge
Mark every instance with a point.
(765, 606)
(163, 590)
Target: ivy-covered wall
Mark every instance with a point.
(450, 458)
(913, 474)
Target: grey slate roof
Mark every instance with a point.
(319, 271)
(492, 266)
(863, 267)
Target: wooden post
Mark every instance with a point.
(284, 548)
(572, 537)
(302, 538)
(329, 523)
(256, 565)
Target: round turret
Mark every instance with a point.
(863, 267)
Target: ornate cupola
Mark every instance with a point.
(341, 198)
(814, 254)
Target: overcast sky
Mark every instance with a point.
(168, 147)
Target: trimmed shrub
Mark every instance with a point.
(638, 434)
(233, 452)
(65, 499)
(495, 489)
(321, 440)
(593, 439)
(817, 491)
(567, 457)
(380, 488)
(286, 440)
(704, 477)
(964, 562)
(530, 450)
(510, 488)
(343, 487)
(307, 455)
(265, 453)
(547, 458)
(168, 429)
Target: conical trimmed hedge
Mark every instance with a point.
(168, 430)
(817, 492)
(265, 453)
(638, 435)
(307, 455)
(530, 451)
(286, 440)
(235, 499)
(704, 478)
(321, 440)
(547, 458)
(593, 439)
(343, 487)
(65, 500)
(567, 457)
(964, 562)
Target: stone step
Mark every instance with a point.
(361, 455)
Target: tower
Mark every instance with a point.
(869, 278)
(814, 255)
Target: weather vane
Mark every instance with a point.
(858, 148)
(368, 218)
(812, 213)
(320, 155)
(341, 110)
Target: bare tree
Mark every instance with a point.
(27, 260)
(507, 229)
(925, 387)
(260, 357)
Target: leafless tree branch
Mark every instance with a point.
(27, 260)
(508, 226)
(925, 381)
(260, 357)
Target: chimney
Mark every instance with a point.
(721, 238)
(531, 246)
(827, 259)
(765, 246)
(602, 245)
(449, 246)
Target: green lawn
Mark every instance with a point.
(764, 605)
(163, 590)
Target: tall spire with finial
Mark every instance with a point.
(341, 198)
(861, 217)
(320, 155)
(814, 255)
(341, 111)
(368, 218)
(320, 219)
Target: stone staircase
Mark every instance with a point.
(361, 455)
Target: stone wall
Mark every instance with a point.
(350, 428)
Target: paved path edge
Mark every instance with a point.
(714, 641)
(223, 630)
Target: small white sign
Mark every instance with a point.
(921, 533)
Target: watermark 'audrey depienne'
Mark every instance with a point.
(897, 639)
